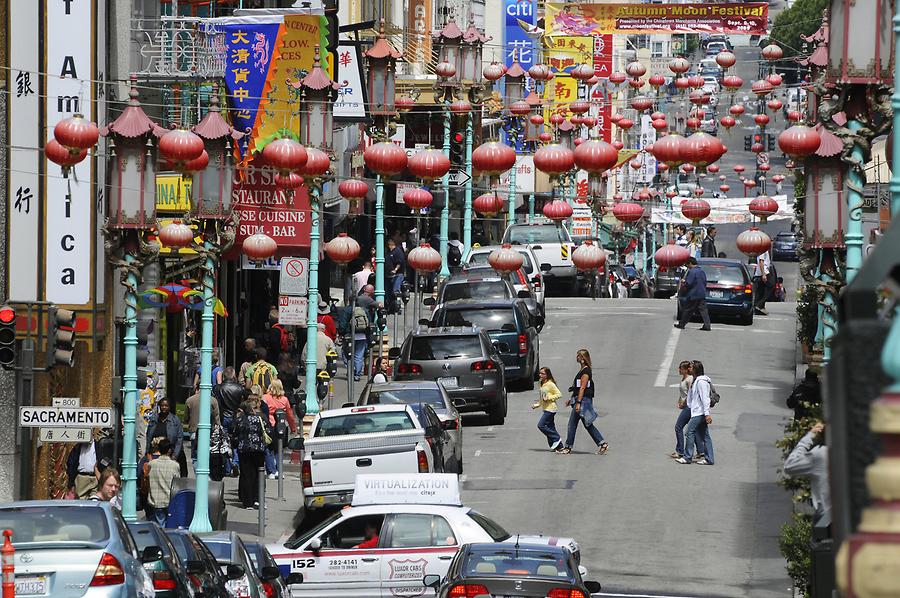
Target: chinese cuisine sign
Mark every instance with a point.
(591, 19)
(261, 206)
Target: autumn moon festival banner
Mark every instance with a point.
(592, 19)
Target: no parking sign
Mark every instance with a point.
(294, 279)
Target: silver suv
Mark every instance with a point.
(463, 360)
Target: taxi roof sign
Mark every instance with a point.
(416, 489)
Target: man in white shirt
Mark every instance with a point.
(361, 278)
(762, 282)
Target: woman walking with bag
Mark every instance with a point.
(684, 413)
(250, 435)
(698, 426)
(549, 395)
(582, 402)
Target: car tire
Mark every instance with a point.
(497, 415)
(747, 318)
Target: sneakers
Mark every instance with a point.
(683, 461)
(677, 325)
(273, 476)
(703, 462)
(556, 445)
(563, 450)
(705, 329)
(675, 455)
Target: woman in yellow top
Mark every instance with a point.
(549, 395)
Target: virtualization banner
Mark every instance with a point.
(591, 19)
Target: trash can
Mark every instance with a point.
(181, 505)
(821, 575)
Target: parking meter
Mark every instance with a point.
(299, 403)
(405, 290)
(322, 381)
(380, 319)
(331, 362)
(281, 425)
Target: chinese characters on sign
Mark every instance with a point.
(748, 18)
(647, 170)
(351, 100)
(518, 42)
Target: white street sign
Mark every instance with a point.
(65, 417)
(294, 279)
(292, 310)
(65, 435)
(458, 178)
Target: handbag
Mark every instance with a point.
(266, 438)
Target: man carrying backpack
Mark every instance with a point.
(261, 373)
(363, 315)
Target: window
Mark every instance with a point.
(352, 532)
(481, 259)
(364, 423)
(300, 538)
(493, 529)
(482, 289)
(432, 396)
(220, 550)
(428, 348)
(657, 50)
(511, 561)
(415, 530)
(524, 235)
(723, 274)
(54, 524)
(489, 319)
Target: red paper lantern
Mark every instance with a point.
(428, 164)
(635, 69)
(554, 159)
(763, 206)
(196, 165)
(618, 145)
(385, 158)
(575, 120)
(732, 82)
(762, 88)
(557, 210)
(353, 189)
(628, 212)
(778, 178)
(417, 198)
(506, 259)
(445, 70)
(582, 72)
(702, 149)
(641, 103)
(656, 81)
(724, 188)
(726, 59)
(487, 204)
(753, 242)
(692, 123)
(757, 148)
(519, 108)
(682, 83)
(671, 194)
(671, 256)
(799, 141)
(636, 83)
(176, 234)
(578, 141)
(318, 162)
(493, 158)
(76, 133)
(739, 168)
(539, 72)
(727, 122)
(404, 103)
(662, 166)
(774, 104)
(615, 117)
(57, 154)
(556, 119)
(698, 97)
(588, 256)
(545, 137)
(424, 259)
(794, 116)
(284, 155)
(765, 167)
(595, 156)
(625, 123)
(579, 107)
(695, 210)
(342, 249)
(536, 119)
(659, 124)
(588, 121)
(617, 78)
(761, 119)
(736, 110)
(669, 149)
(259, 247)
(696, 81)
(679, 65)
(772, 52)
(180, 146)
(291, 180)
(635, 164)
(688, 168)
(493, 71)
(712, 168)
(460, 107)
(749, 184)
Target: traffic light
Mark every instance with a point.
(143, 352)
(747, 143)
(457, 150)
(7, 336)
(60, 337)
(770, 142)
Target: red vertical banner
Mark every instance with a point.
(603, 60)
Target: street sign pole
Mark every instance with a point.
(25, 397)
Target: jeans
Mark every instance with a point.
(698, 432)
(158, 514)
(592, 430)
(684, 416)
(271, 463)
(689, 307)
(359, 353)
(548, 428)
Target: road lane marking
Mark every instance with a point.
(639, 595)
(478, 453)
(668, 357)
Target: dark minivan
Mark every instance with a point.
(729, 289)
(510, 328)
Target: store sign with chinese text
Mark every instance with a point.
(260, 206)
(351, 100)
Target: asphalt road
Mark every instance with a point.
(646, 524)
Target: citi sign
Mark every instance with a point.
(520, 8)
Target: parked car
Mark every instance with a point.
(666, 282)
(551, 244)
(484, 283)
(509, 326)
(266, 568)
(729, 289)
(231, 554)
(786, 246)
(66, 546)
(170, 578)
(463, 359)
(204, 572)
(639, 284)
(493, 569)
(478, 256)
(432, 393)
(387, 439)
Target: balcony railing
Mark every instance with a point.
(177, 48)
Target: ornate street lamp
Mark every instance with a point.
(317, 118)
(381, 60)
(132, 211)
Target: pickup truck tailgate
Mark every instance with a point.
(335, 460)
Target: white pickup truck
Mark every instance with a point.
(552, 245)
(370, 439)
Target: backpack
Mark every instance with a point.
(261, 374)
(454, 255)
(285, 339)
(713, 396)
(360, 320)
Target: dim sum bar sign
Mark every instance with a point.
(260, 206)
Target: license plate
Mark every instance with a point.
(35, 585)
(717, 294)
(449, 382)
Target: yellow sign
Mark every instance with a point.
(565, 52)
(559, 92)
(298, 51)
(173, 193)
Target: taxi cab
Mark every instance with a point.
(398, 529)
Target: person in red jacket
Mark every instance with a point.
(324, 317)
(371, 540)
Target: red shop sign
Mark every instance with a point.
(260, 206)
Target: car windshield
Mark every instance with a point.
(299, 538)
(502, 318)
(428, 348)
(183, 547)
(786, 237)
(220, 550)
(479, 289)
(525, 235)
(56, 524)
(493, 529)
(481, 259)
(547, 564)
(365, 422)
(395, 396)
(724, 274)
